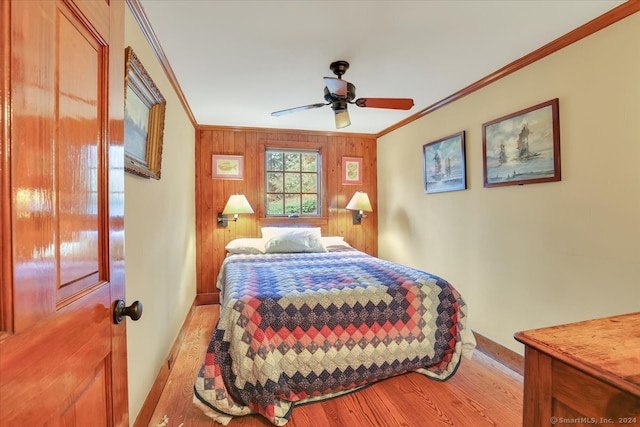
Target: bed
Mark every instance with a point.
(305, 317)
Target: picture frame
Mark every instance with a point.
(225, 166)
(523, 147)
(144, 115)
(352, 171)
(444, 164)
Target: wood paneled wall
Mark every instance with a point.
(212, 194)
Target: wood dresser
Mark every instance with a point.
(585, 373)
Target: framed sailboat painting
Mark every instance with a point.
(444, 164)
(523, 147)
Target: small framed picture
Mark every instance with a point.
(227, 167)
(444, 164)
(523, 147)
(351, 170)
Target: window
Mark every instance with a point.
(292, 182)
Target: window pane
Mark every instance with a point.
(309, 204)
(292, 204)
(292, 161)
(292, 182)
(274, 204)
(309, 183)
(310, 162)
(274, 161)
(275, 182)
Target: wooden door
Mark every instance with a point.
(62, 358)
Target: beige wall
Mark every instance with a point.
(536, 255)
(160, 237)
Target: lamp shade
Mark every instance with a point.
(237, 204)
(360, 202)
(342, 119)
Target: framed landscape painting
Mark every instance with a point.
(144, 112)
(444, 164)
(523, 147)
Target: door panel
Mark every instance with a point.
(31, 164)
(79, 116)
(53, 359)
(62, 359)
(89, 404)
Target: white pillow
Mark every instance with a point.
(287, 243)
(334, 242)
(246, 245)
(270, 232)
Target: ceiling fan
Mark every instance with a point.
(339, 93)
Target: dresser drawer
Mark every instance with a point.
(588, 396)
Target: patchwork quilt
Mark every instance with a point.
(300, 327)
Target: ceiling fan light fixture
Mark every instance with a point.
(335, 88)
(342, 119)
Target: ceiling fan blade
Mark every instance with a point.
(342, 119)
(393, 103)
(337, 87)
(296, 109)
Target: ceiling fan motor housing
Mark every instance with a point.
(339, 105)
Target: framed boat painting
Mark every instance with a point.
(444, 164)
(523, 147)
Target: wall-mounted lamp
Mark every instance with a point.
(237, 204)
(359, 203)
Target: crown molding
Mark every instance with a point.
(593, 26)
(143, 22)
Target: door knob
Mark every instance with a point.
(134, 311)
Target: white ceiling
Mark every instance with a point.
(238, 61)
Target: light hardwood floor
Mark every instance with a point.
(481, 393)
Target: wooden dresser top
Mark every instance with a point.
(607, 348)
